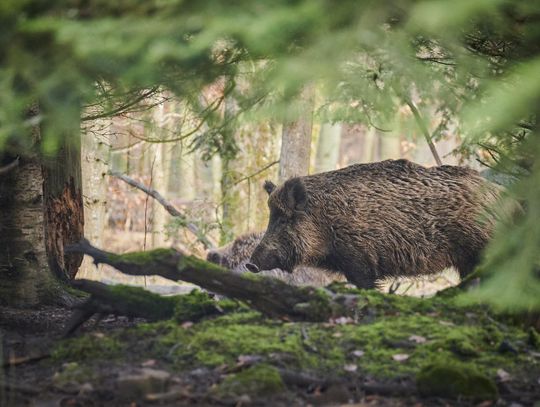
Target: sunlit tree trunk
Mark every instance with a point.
(160, 175)
(229, 195)
(328, 147)
(95, 158)
(296, 140)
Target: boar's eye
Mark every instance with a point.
(269, 186)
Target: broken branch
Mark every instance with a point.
(259, 292)
(170, 208)
(7, 168)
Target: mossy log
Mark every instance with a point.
(267, 295)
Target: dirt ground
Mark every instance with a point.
(134, 376)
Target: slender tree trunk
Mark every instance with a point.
(160, 175)
(328, 147)
(296, 140)
(42, 212)
(95, 157)
(229, 196)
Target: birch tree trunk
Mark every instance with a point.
(296, 140)
(42, 212)
(328, 147)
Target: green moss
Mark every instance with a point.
(455, 380)
(194, 306)
(88, 347)
(461, 344)
(261, 381)
(143, 258)
(152, 305)
(73, 373)
(319, 307)
(197, 263)
(450, 335)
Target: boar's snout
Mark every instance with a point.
(265, 259)
(217, 258)
(252, 267)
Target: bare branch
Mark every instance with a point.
(422, 125)
(257, 172)
(7, 168)
(170, 208)
(121, 108)
(442, 61)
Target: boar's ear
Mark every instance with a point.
(269, 186)
(296, 195)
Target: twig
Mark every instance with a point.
(256, 172)
(302, 379)
(7, 168)
(394, 286)
(442, 61)
(170, 208)
(306, 341)
(17, 361)
(424, 130)
(389, 389)
(121, 108)
(19, 388)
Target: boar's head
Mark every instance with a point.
(292, 236)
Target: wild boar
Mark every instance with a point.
(235, 255)
(380, 220)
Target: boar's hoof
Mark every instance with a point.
(252, 267)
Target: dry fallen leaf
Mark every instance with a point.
(149, 363)
(503, 375)
(344, 320)
(417, 339)
(400, 357)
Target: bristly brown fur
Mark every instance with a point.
(374, 221)
(235, 255)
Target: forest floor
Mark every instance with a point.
(399, 350)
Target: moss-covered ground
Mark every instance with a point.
(436, 346)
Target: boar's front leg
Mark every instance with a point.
(357, 272)
(361, 278)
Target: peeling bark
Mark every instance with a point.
(63, 207)
(63, 225)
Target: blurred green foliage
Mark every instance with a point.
(476, 62)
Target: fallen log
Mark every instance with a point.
(267, 295)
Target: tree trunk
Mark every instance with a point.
(63, 207)
(42, 212)
(95, 157)
(296, 140)
(328, 147)
(229, 195)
